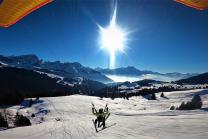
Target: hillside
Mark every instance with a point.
(71, 117)
(16, 82)
(199, 79)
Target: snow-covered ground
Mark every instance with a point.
(70, 117)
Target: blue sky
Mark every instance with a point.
(167, 36)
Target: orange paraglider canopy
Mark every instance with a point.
(197, 4)
(11, 11)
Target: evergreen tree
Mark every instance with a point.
(172, 108)
(30, 102)
(3, 120)
(182, 106)
(21, 120)
(162, 95)
(196, 102)
(153, 97)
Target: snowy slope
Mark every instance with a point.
(133, 119)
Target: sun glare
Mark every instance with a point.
(112, 39)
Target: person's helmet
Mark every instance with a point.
(101, 110)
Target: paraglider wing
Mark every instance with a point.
(1, 1)
(197, 4)
(11, 11)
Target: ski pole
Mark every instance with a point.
(93, 105)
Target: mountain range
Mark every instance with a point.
(67, 70)
(28, 76)
(76, 70)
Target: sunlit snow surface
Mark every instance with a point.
(136, 118)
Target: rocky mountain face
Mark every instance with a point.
(68, 70)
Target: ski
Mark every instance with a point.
(107, 116)
(95, 125)
(108, 126)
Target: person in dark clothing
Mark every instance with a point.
(101, 115)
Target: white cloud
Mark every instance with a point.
(120, 78)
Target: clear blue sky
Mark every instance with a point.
(168, 36)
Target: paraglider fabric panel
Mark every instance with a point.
(12, 11)
(197, 4)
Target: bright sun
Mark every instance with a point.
(112, 39)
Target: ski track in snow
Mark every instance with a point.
(70, 117)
